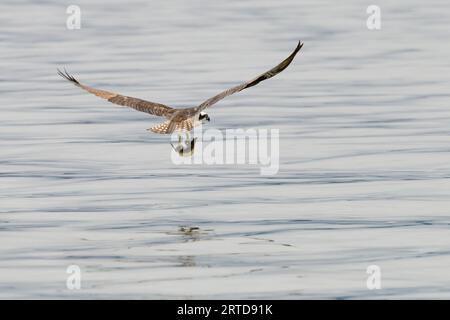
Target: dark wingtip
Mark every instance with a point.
(67, 76)
(299, 45)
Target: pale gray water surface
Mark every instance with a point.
(364, 119)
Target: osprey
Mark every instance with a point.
(179, 120)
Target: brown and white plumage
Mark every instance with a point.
(154, 108)
(179, 119)
(266, 75)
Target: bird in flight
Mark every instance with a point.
(179, 120)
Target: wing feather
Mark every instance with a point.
(266, 75)
(153, 108)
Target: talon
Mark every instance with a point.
(185, 152)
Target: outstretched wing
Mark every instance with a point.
(154, 108)
(266, 75)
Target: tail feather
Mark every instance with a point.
(162, 128)
(170, 126)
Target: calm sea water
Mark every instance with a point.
(364, 179)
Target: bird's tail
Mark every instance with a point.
(170, 126)
(162, 128)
